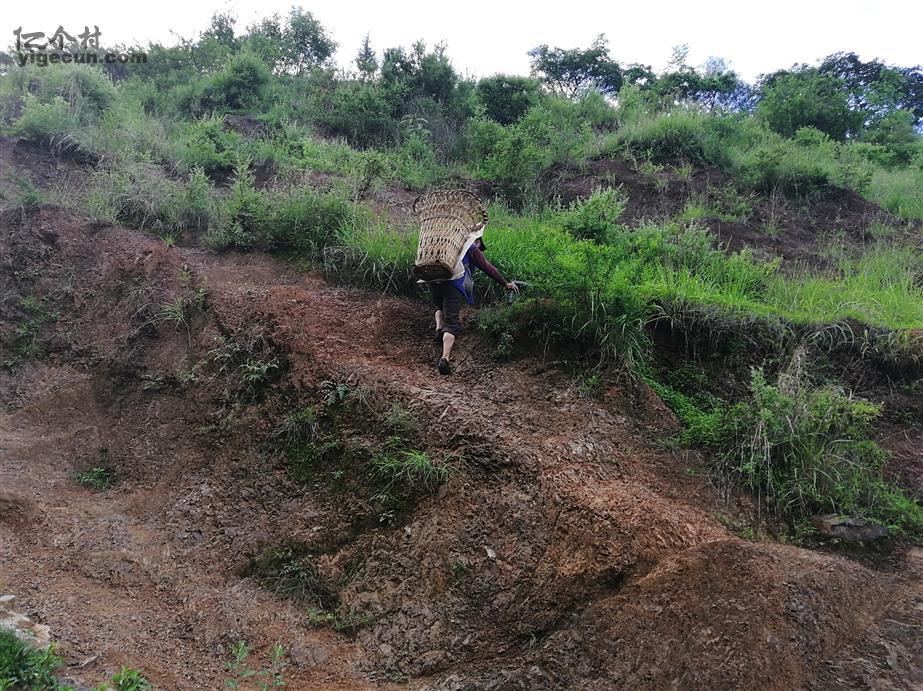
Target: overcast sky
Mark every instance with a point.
(486, 37)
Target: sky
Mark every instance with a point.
(485, 37)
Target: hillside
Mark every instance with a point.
(687, 455)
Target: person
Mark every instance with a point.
(448, 295)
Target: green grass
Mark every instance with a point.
(24, 667)
(408, 469)
(900, 191)
(96, 478)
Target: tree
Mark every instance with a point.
(366, 60)
(573, 72)
(307, 41)
(808, 98)
(507, 98)
(418, 74)
(221, 29)
(875, 88)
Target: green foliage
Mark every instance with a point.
(669, 137)
(24, 667)
(507, 98)
(127, 679)
(271, 676)
(96, 478)
(409, 469)
(140, 195)
(362, 113)
(207, 145)
(808, 450)
(572, 72)
(808, 99)
(596, 217)
(289, 571)
(51, 123)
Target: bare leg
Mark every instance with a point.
(448, 340)
(439, 321)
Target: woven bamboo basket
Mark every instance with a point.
(450, 221)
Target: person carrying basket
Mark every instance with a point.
(451, 244)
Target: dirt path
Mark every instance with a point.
(589, 556)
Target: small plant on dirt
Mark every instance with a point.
(343, 620)
(398, 420)
(97, 478)
(29, 342)
(589, 385)
(25, 667)
(408, 468)
(19, 203)
(126, 679)
(271, 676)
(596, 217)
(289, 571)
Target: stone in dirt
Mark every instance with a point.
(36, 635)
(848, 528)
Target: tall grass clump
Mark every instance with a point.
(900, 191)
(808, 450)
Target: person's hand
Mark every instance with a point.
(512, 286)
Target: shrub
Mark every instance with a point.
(667, 137)
(808, 450)
(596, 217)
(84, 88)
(207, 145)
(141, 196)
(507, 98)
(52, 123)
(360, 112)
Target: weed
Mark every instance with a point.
(343, 620)
(126, 679)
(589, 385)
(289, 571)
(271, 676)
(398, 420)
(807, 450)
(25, 667)
(409, 469)
(97, 478)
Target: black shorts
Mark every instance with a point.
(449, 299)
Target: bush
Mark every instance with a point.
(596, 217)
(360, 112)
(207, 145)
(84, 87)
(141, 196)
(507, 98)
(808, 450)
(667, 137)
(52, 123)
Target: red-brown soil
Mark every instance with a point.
(568, 548)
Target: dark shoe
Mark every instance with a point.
(444, 367)
(437, 335)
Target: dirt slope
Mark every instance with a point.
(566, 550)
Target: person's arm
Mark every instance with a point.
(480, 261)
